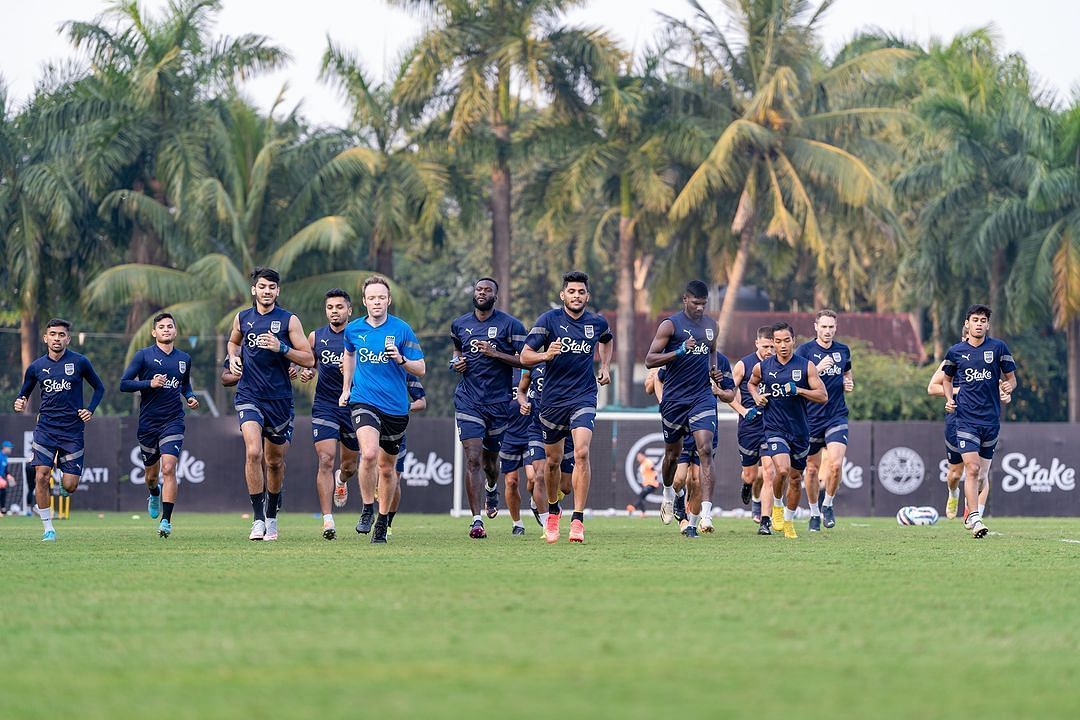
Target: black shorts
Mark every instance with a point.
(391, 427)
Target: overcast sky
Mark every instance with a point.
(1045, 31)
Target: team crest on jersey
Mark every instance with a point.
(183, 366)
(988, 356)
(589, 331)
(836, 357)
(69, 368)
(708, 334)
(275, 326)
(796, 375)
(492, 332)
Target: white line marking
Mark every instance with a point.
(858, 525)
(1077, 542)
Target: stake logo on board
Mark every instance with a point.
(851, 475)
(901, 471)
(1021, 471)
(652, 445)
(188, 468)
(422, 474)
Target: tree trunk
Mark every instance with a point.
(383, 256)
(998, 272)
(29, 343)
(624, 294)
(936, 338)
(145, 249)
(734, 282)
(1072, 344)
(501, 206)
(642, 299)
(219, 389)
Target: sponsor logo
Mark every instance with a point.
(851, 475)
(796, 375)
(973, 375)
(324, 341)
(157, 360)
(183, 366)
(966, 356)
(817, 355)
(171, 383)
(492, 332)
(363, 355)
(578, 347)
(55, 386)
(251, 340)
(564, 328)
(652, 445)
(422, 474)
(363, 338)
(1021, 470)
(772, 374)
(275, 326)
(69, 368)
(901, 470)
(46, 371)
(468, 330)
(589, 331)
(251, 326)
(988, 356)
(188, 467)
(329, 357)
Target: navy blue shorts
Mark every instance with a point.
(275, 417)
(796, 448)
(952, 447)
(399, 464)
(982, 439)
(556, 423)
(333, 423)
(750, 435)
(162, 440)
(689, 452)
(52, 450)
(513, 455)
(487, 422)
(538, 452)
(834, 431)
(682, 419)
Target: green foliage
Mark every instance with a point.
(890, 387)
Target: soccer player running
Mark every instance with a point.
(514, 455)
(381, 351)
(532, 381)
(757, 479)
(62, 417)
(264, 341)
(782, 385)
(565, 339)
(331, 426)
(684, 345)
(486, 346)
(417, 403)
(986, 371)
(161, 373)
(828, 422)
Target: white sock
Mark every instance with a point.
(693, 519)
(475, 518)
(789, 515)
(489, 488)
(543, 518)
(46, 516)
(706, 509)
(972, 517)
(828, 500)
(517, 523)
(955, 493)
(669, 493)
(982, 508)
(778, 501)
(328, 518)
(532, 504)
(755, 498)
(815, 511)
(681, 492)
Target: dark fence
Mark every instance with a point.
(888, 465)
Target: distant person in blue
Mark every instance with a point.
(161, 373)
(7, 482)
(986, 371)
(381, 351)
(828, 422)
(755, 476)
(565, 339)
(486, 346)
(782, 385)
(685, 346)
(265, 340)
(331, 426)
(58, 435)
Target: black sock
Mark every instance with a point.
(166, 510)
(271, 504)
(155, 491)
(577, 516)
(369, 507)
(383, 520)
(553, 508)
(390, 518)
(258, 507)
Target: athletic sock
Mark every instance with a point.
(543, 518)
(789, 515)
(532, 504)
(382, 520)
(272, 505)
(577, 516)
(815, 511)
(955, 492)
(328, 518)
(669, 493)
(693, 519)
(553, 508)
(166, 510)
(778, 500)
(46, 516)
(972, 517)
(827, 502)
(706, 509)
(477, 519)
(258, 506)
(369, 508)
(390, 517)
(982, 508)
(490, 488)
(681, 492)
(755, 498)
(155, 491)
(518, 523)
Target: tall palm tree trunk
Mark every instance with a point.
(1072, 344)
(501, 193)
(624, 294)
(734, 282)
(382, 255)
(936, 337)
(29, 340)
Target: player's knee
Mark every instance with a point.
(254, 455)
(348, 467)
(971, 469)
(581, 454)
(326, 461)
(512, 484)
(275, 464)
(168, 466)
(369, 455)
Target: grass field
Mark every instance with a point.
(867, 620)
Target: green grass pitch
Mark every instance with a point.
(868, 620)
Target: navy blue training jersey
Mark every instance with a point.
(785, 415)
(266, 373)
(536, 385)
(979, 370)
(727, 380)
(415, 387)
(159, 406)
(569, 380)
(748, 363)
(62, 390)
(686, 379)
(486, 380)
(329, 350)
(833, 379)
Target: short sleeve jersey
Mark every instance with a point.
(266, 372)
(833, 379)
(377, 380)
(786, 415)
(568, 378)
(748, 363)
(979, 370)
(486, 379)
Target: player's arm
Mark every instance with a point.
(236, 366)
(306, 374)
(817, 392)
(753, 385)
(348, 367)
(489, 350)
(1008, 382)
(738, 372)
(936, 388)
(29, 383)
(186, 390)
(414, 365)
(948, 366)
(656, 357)
(604, 351)
(537, 349)
(722, 379)
(130, 381)
(523, 393)
(298, 349)
(99, 391)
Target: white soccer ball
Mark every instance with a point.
(912, 515)
(15, 509)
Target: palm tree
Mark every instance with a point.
(474, 63)
(780, 156)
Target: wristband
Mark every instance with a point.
(284, 349)
(681, 350)
(403, 360)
